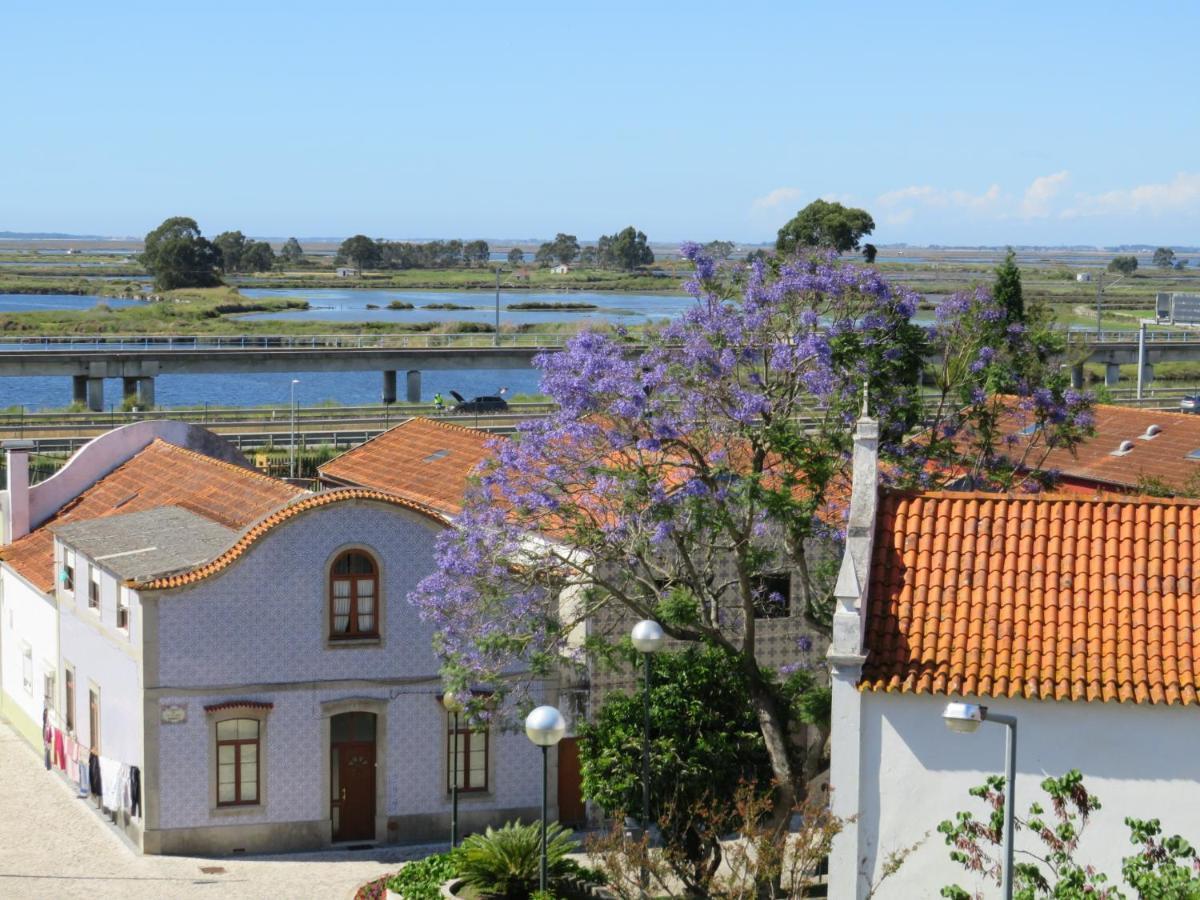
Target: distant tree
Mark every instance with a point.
(627, 249)
(360, 250)
(1126, 265)
(178, 256)
(232, 245)
(1164, 257)
(516, 256)
(1007, 289)
(476, 253)
(291, 252)
(566, 248)
(757, 255)
(870, 251)
(824, 224)
(720, 250)
(1180, 264)
(544, 256)
(588, 256)
(257, 256)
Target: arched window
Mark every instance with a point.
(354, 597)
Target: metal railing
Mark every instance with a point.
(417, 341)
(1131, 337)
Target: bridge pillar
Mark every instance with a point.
(145, 393)
(95, 394)
(79, 389)
(129, 387)
(414, 386)
(1112, 374)
(1077, 376)
(389, 386)
(1147, 373)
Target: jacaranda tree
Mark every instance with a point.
(678, 471)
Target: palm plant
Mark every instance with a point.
(505, 862)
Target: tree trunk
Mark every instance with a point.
(774, 726)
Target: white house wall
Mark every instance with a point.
(26, 616)
(1138, 760)
(104, 657)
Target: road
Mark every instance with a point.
(55, 845)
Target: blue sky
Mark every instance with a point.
(953, 123)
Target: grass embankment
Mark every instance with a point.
(219, 311)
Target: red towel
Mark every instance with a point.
(60, 750)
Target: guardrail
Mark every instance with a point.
(1131, 336)
(417, 341)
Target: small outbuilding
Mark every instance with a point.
(560, 269)
(1083, 277)
(347, 272)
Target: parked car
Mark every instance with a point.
(1190, 404)
(479, 404)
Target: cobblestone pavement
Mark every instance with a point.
(52, 845)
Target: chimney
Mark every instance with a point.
(16, 519)
(854, 575)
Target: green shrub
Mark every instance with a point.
(423, 880)
(506, 862)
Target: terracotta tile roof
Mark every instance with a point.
(162, 474)
(261, 527)
(424, 460)
(1164, 456)
(1049, 598)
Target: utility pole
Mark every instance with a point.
(496, 336)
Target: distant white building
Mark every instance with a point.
(1084, 276)
(560, 269)
(347, 272)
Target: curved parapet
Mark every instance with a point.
(101, 455)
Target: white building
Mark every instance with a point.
(560, 269)
(1076, 615)
(246, 646)
(347, 272)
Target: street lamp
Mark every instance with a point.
(647, 637)
(453, 705)
(965, 718)
(544, 726)
(292, 453)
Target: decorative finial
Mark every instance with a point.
(866, 396)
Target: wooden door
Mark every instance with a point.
(352, 777)
(571, 810)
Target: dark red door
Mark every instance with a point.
(571, 810)
(352, 777)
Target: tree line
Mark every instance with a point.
(369, 253)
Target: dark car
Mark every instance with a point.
(479, 404)
(1190, 404)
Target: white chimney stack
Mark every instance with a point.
(16, 519)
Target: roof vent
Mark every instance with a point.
(1152, 431)
(1126, 447)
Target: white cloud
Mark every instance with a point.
(925, 195)
(1179, 195)
(1036, 202)
(777, 197)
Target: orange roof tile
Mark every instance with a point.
(1039, 597)
(161, 474)
(276, 518)
(427, 461)
(1164, 456)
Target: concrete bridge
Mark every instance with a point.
(138, 359)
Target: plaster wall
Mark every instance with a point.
(104, 657)
(1138, 760)
(27, 616)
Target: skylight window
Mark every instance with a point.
(1030, 429)
(1195, 454)
(434, 457)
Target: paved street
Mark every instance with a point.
(53, 845)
